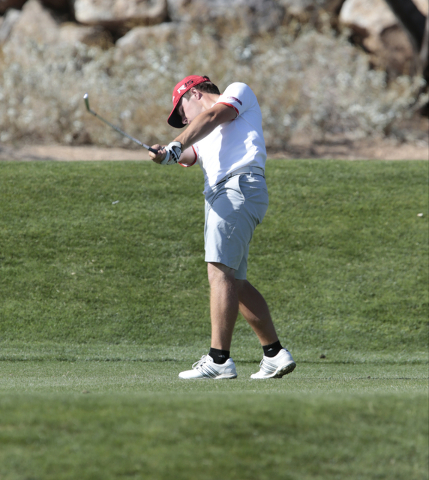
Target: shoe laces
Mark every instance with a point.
(200, 362)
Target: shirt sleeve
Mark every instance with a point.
(239, 96)
(194, 148)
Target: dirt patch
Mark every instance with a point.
(340, 147)
(332, 147)
(63, 153)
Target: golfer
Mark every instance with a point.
(224, 136)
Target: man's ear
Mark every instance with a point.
(196, 93)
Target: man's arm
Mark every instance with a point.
(205, 123)
(188, 157)
(199, 128)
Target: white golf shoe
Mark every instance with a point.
(275, 367)
(206, 368)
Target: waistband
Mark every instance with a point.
(243, 171)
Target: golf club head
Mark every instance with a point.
(86, 100)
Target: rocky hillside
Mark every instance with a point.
(318, 67)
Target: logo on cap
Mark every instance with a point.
(178, 91)
(185, 85)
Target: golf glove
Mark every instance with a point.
(174, 150)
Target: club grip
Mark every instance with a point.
(153, 151)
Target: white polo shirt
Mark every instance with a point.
(236, 144)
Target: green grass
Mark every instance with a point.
(102, 304)
(341, 256)
(156, 437)
(133, 418)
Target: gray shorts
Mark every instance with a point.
(233, 209)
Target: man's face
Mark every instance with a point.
(188, 109)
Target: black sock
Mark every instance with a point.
(219, 356)
(273, 349)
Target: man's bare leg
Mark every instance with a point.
(277, 361)
(255, 310)
(223, 304)
(227, 297)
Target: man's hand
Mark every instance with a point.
(160, 155)
(173, 152)
(168, 155)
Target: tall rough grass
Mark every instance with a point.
(313, 84)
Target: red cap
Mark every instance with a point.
(175, 120)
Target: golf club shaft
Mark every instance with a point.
(86, 100)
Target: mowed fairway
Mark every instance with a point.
(104, 300)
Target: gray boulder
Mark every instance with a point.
(7, 24)
(7, 4)
(117, 14)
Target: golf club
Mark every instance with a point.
(86, 100)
